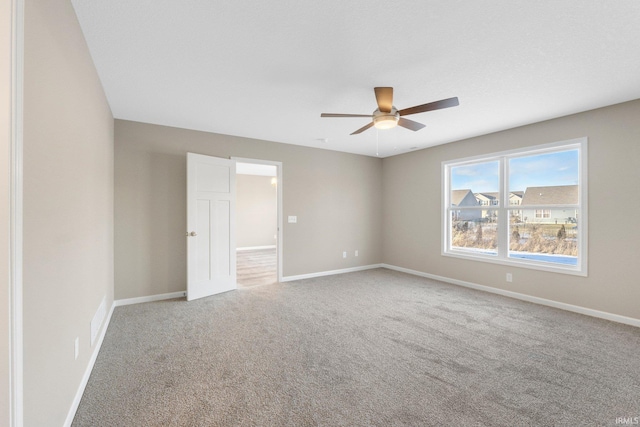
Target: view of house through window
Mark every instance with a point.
(474, 189)
(523, 207)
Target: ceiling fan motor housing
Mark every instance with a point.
(388, 120)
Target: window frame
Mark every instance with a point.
(504, 208)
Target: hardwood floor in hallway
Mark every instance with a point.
(256, 267)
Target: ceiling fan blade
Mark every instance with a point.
(384, 96)
(363, 128)
(344, 115)
(410, 124)
(437, 105)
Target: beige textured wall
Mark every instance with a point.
(68, 208)
(412, 211)
(336, 197)
(256, 211)
(5, 150)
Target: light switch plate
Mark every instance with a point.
(292, 219)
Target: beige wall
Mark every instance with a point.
(336, 197)
(5, 182)
(69, 205)
(68, 208)
(256, 211)
(412, 211)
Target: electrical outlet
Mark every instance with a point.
(76, 348)
(344, 254)
(509, 277)
(356, 252)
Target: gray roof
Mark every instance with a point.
(556, 195)
(495, 195)
(490, 196)
(458, 196)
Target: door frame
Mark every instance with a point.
(15, 64)
(279, 192)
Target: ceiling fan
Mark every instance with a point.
(386, 116)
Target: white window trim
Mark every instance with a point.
(503, 236)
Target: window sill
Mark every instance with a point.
(521, 263)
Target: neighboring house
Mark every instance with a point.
(515, 199)
(541, 201)
(464, 198)
(488, 199)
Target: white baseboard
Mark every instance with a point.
(94, 355)
(87, 373)
(536, 300)
(542, 301)
(329, 273)
(150, 298)
(254, 248)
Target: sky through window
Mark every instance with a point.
(547, 169)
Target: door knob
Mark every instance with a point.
(193, 233)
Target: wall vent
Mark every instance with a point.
(97, 320)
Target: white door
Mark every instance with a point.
(211, 224)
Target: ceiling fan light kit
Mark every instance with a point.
(387, 116)
(386, 120)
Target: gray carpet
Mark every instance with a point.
(373, 348)
(256, 267)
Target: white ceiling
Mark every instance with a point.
(267, 69)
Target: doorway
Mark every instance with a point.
(258, 219)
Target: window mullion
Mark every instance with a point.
(503, 218)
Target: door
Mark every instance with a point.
(211, 223)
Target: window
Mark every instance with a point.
(543, 213)
(532, 212)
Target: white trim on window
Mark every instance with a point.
(504, 209)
